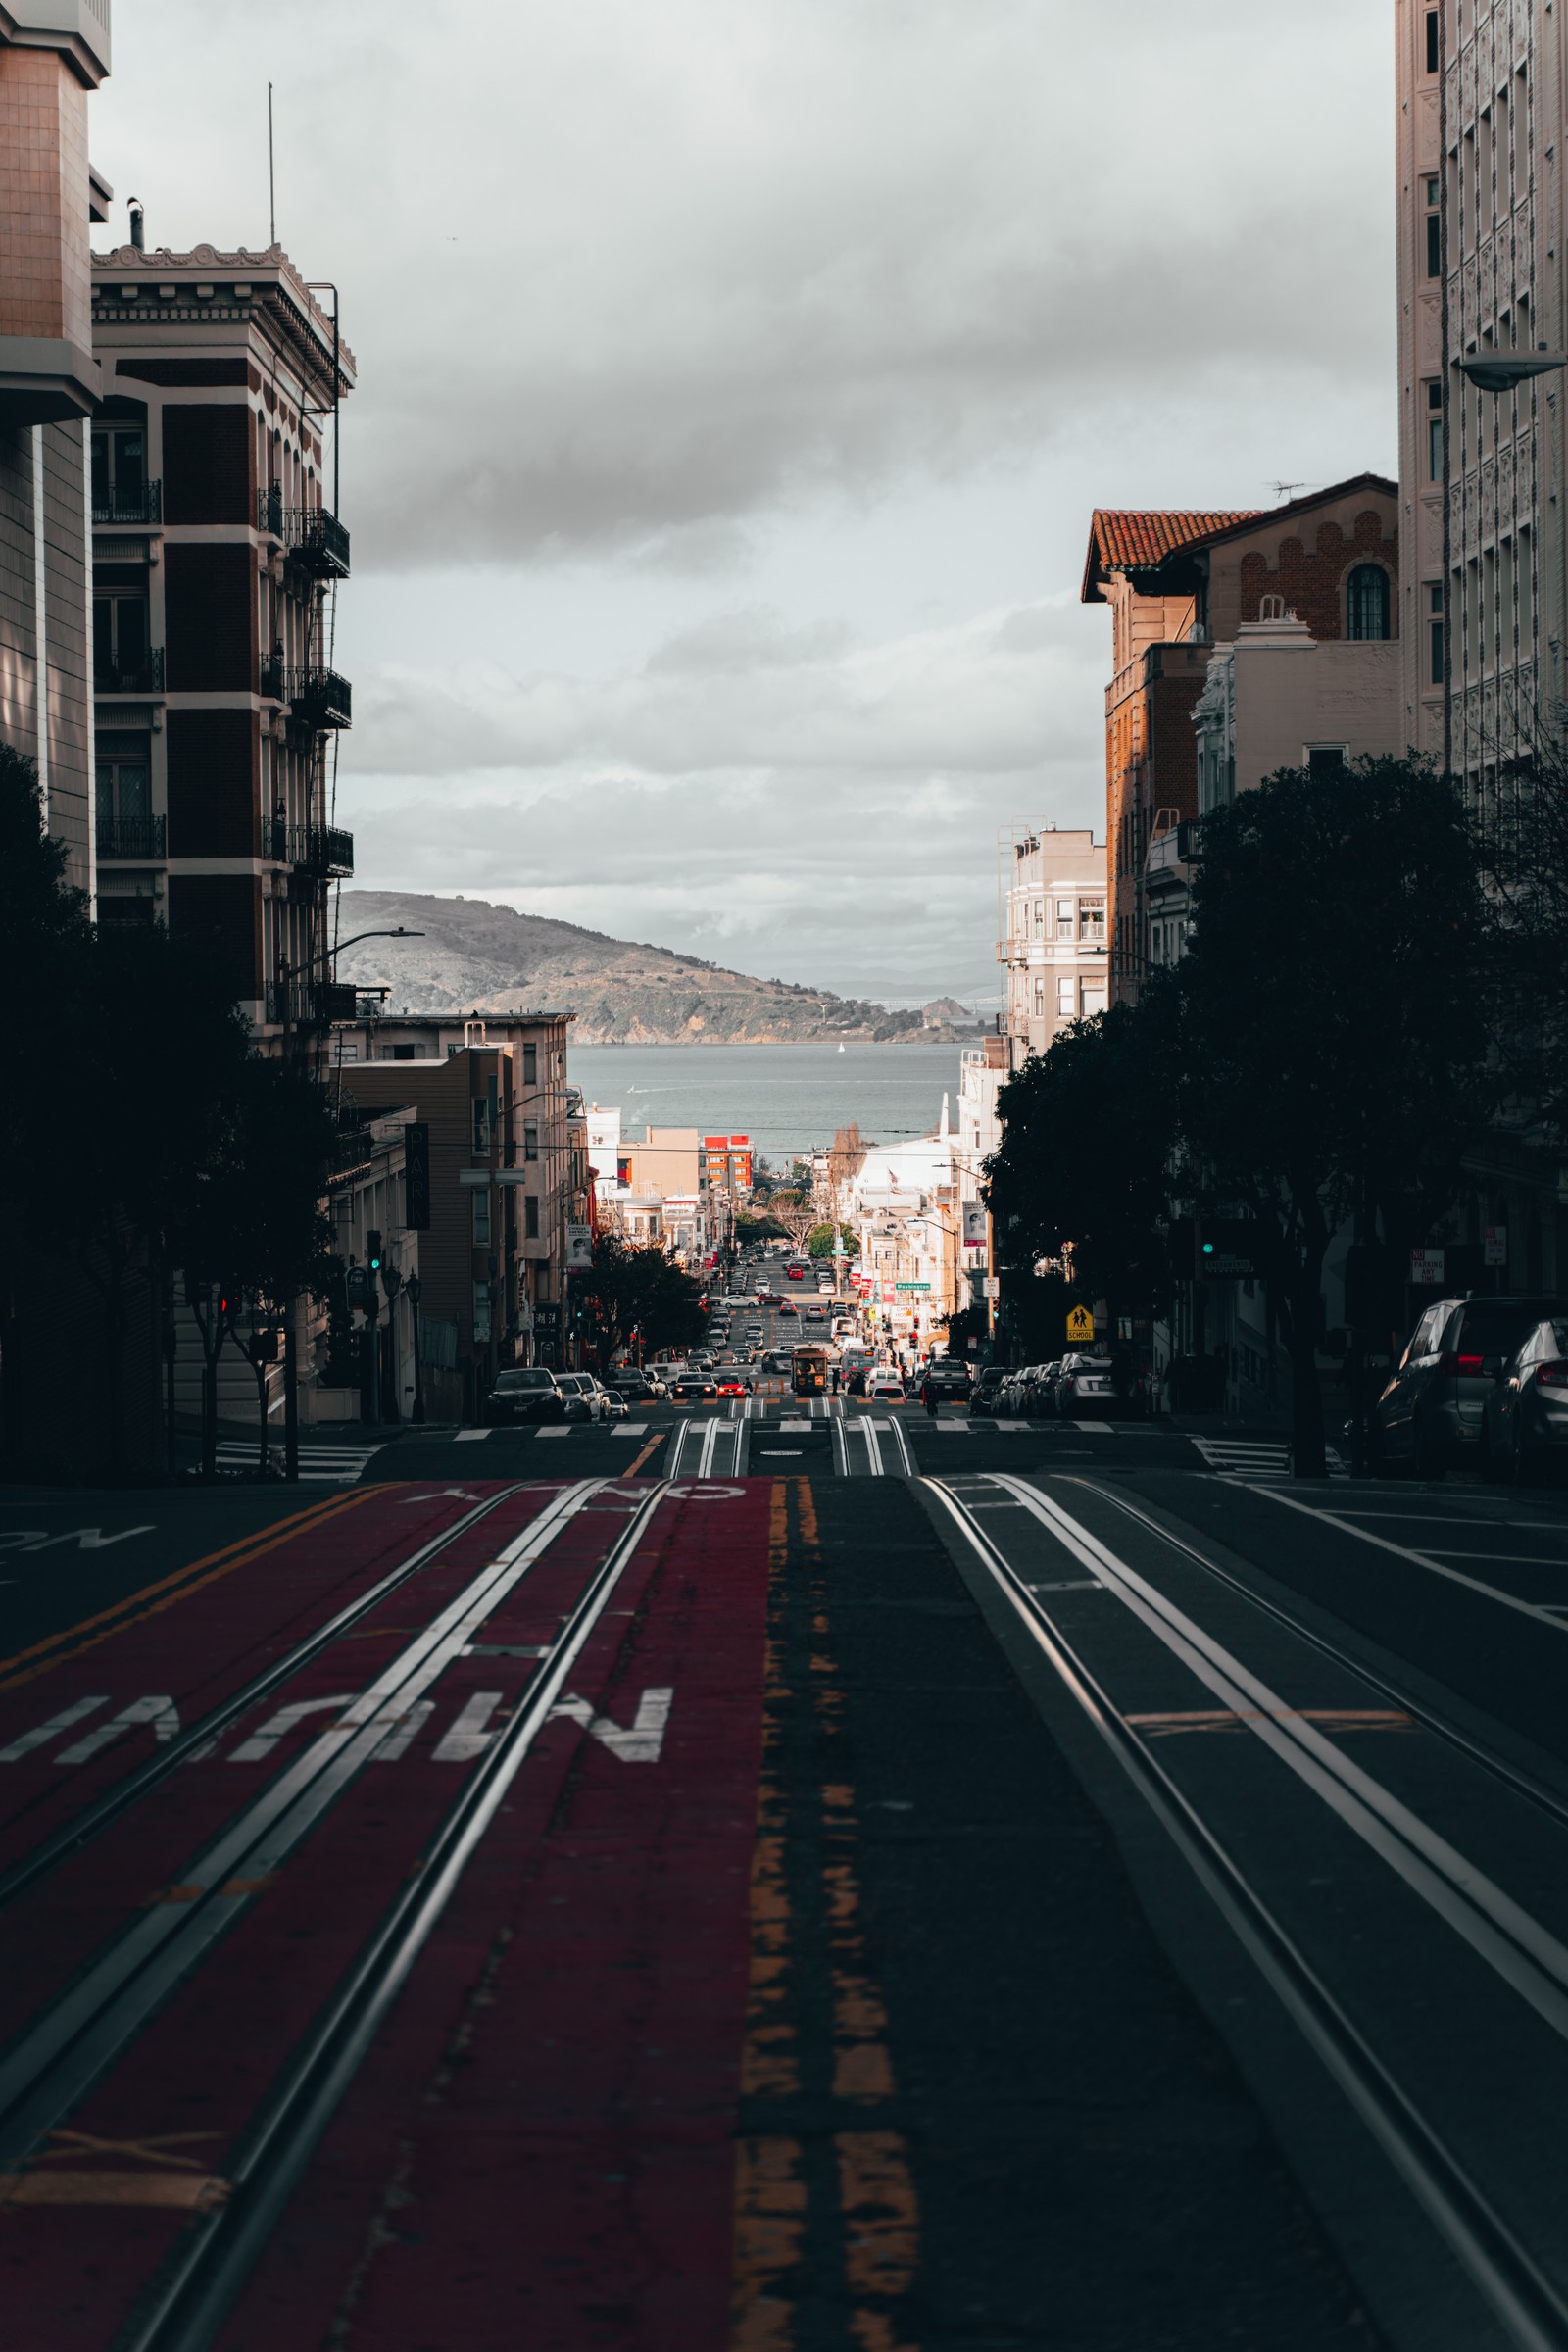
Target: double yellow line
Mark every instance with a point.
(73, 1640)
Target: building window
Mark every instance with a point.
(1435, 443)
(121, 655)
(530, 1138)
(482, 1219)
(125, 793)
(530, 1216)
(1432, 40)
(1066, 998)
(530, 1066)
(481, 1312)
(1064, 918)
(1437, 652)
(1434, 230)
(1092, 921)
(1040, 999)
(1325, 759)
(481, 1127)
(1366, 602)
(119, 474)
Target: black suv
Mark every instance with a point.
(983, 1398)
(527, 1394)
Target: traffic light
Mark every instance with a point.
(372, 1249)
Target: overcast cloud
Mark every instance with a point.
(736, 380)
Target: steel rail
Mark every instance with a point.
(134, 1785)
(211, 2262)
(1523, 2298)
(1512, 1776)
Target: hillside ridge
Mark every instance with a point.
(479, 957)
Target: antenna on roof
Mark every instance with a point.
(272, 176)
(1286, 491)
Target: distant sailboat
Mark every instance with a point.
(841, 1049)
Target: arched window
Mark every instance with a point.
(1366, 602)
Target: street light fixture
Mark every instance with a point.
(1507, 370)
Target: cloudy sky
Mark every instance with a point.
(737, 379)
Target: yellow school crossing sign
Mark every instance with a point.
(1080, 1325)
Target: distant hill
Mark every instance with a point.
(483, 959)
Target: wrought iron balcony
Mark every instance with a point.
(140, 837)
(142, 676)
(319, 697)
(311, 1003)
(316, 541)
(142, 507)
(274, 678)
(324, 849)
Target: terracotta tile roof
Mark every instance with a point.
(1125, 538)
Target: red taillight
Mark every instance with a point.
(1468, 1367)
(1551, 1376)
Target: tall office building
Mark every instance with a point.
(1480, 90)
(52, 54)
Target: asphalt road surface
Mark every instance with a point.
(781, 1877)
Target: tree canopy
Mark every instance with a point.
(639, 1289)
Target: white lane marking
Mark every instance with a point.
(1524, 1953)
(324, 1465)
(119, 1984)
(1419, 1559)
(85, 1539)
(1011, 1428)
(632, 1429)
(952, 1429)
(1101, 1429)
(404, 1732)
(159, 1711)
(41, 1734)
(903, 1445)
(276, 1729)
(642, 1743)
(871, 1432)
(1256, 1460)
(470, 1733)
(561, 1432)
(469, 1437)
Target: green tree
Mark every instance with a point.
(256, 1235)
(639, 1291)
(1335, 1047)
(821, 1240)
(1082, 1176)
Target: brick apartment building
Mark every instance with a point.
(51, 55)
(216, 553)
(508, 1181)
(1180, 585)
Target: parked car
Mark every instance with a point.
(636, 1387)
(1084, 1384)
(581, 1396)
(527, 1394)
(695, 1383)
(612, 1405)
(1525, 1419)
(984, 1395)
(1430, 1415)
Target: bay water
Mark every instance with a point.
(788, 1099)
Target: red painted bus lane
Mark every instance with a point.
(540, 2147)
(51, 1931)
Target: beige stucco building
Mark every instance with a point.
(1052, 941)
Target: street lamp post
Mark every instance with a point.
(411, 1289)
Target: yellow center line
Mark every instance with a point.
(657, 1439)
(151, 1600)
